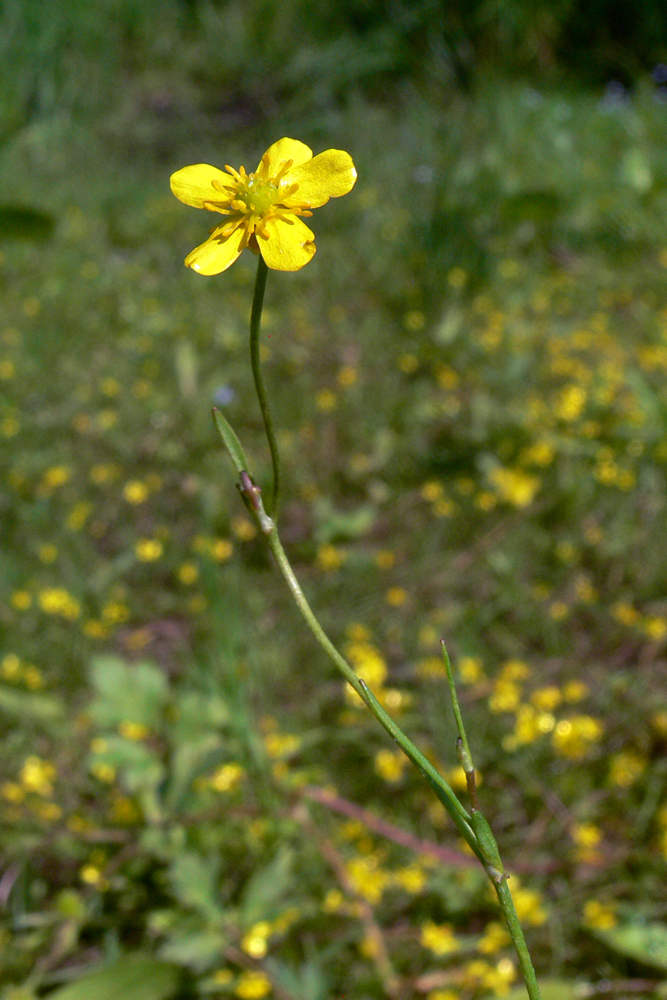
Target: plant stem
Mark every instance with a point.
(260, 388)
(518, 940)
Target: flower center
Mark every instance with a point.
(257, 194)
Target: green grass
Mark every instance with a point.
(469, 386)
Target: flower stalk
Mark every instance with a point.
(262, 211)
(260, 388)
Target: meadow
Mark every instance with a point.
(469, 386)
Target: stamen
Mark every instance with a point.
(235, 174)
(214, 206)
(283, 170)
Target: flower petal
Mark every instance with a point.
(192, 185)
(280, 152)
(329, 175)
(289, 245)
(216, 254)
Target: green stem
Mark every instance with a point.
(260, 388)
(518, 940)
(456, 810)
(474, 829)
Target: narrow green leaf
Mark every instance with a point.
(231, 442)
(131, 977)
(33, 706)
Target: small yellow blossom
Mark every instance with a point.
(601, 916)
(135, 492)
(21, 600)
(56, 601)
(625, 613)
(263, 208)
(78, 516)
(432, 490)
(255, 942)
(244, 529)
(12, 792)
(37, 776)
(408, 363)
(103, 772)
(326, 400)
(56, 476)
(655, 628)
(546, 699)
(252, 986)
(625, 768)
(575, 691)
(505, 696)
(91, 875)
(396, 596)
(412, 879)
(439, 938)
(390, 765)
(528, 904)
(330, 558)
(222, 977)
(188, 574)
(369, 665)
(514, 486)
(281, 744)
(367, 878)
(573, 737)
(10, 667)
(221, 549)
(586, 834)
(148, 549)
(226, 778)
(134, 731)
(431, 666)
(494, 939)
(471, 669)
(515, 670)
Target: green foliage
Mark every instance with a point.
(133, 976)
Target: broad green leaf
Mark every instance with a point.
(266, 887)
(194, 881)
(231, 442)
(646, 942)
(196, 950)
(129, 978)
(140, 767)
(126, 692)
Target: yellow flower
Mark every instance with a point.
(438, 938)
(252, 986)
(263, 208)
(599, 915)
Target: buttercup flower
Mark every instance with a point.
(263, 209)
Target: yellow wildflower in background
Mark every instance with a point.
(573, 737)
(263, 209)
(37, 775)
(252, 986)
(438, 938)
(390, 765)
(625, 767)
(602, 916)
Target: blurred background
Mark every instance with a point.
(469, 386)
